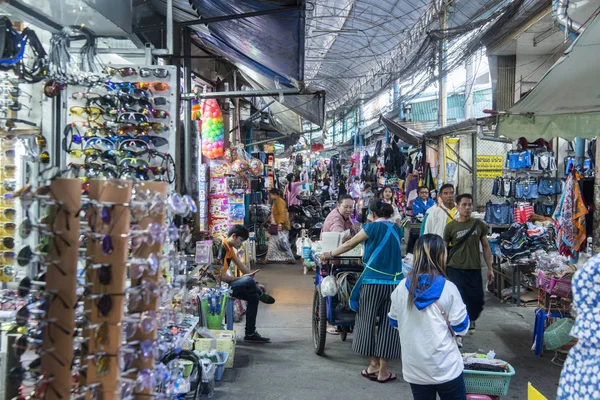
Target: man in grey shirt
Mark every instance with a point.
(365, 199)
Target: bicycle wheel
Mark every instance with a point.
(260, 236)
(319, 321)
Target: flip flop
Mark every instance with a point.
(392, 377)
(366, 374)
(333, 331)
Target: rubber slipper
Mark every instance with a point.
(333, 331)
(264, 262)
(266, 298)
(392, 377)
(366, 374)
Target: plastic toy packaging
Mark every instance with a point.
(218, 186)
(236, 212)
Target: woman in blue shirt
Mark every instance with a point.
(382, 272)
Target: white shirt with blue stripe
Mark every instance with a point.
(430, 354)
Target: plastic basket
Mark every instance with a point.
(561, 287)
(558, 334)
(490, 383)
(543, 281)
(223, 357)
(214, 321)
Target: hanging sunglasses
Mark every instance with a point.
(8, 242)
(157, 72)
(41, 142)
(8, 256)
(132, 118)
(9, 170)
(132, 91)
(10, 185)
(154, 113)
(104, 272)
(10, 154)
(136, 129)
(134, 146)
(8, 271)
(133, 162)
(45, 157)
(137, 266)
(52, 88)
(84, 95)
(124, 72)
(14, 105)
(93, 112)
(12, 91)
(159, 127)
(146, 325)
(98, 143)
(155, 86)
(10, 227)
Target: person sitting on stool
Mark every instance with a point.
(243, 287)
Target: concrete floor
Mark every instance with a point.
(289, 369)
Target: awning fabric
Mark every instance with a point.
(407, 135)
(273, 43)
(566, 101)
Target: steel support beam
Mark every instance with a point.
(187, 109)
(223, 18)
(243, 93)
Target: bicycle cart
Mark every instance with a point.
(325, 309)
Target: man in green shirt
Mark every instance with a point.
(464, 236)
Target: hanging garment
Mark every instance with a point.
(498, 213)
(522, 213)
(550, 186)
(569, 217)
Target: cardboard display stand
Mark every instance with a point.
(61, 284)
(102, 359)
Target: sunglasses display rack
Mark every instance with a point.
(106, 284)
(124, 127)
(61, 284)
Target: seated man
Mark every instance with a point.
(243, 287)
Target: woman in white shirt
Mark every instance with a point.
(431, 359)
(387, 195)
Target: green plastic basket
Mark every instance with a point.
(558, 334)
(214, 321)
(490, 383)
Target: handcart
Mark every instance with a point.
(325, 309)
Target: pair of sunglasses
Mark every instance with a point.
(124, 72)
(157, 72)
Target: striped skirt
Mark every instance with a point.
(382, 341)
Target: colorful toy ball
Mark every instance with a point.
(231, 154)
(239, 166)
(256, 168)
(213, 133)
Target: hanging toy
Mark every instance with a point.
(240, 167)
(231, 154)
(257, 168)
(213, 133)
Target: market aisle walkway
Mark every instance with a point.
(289, 369)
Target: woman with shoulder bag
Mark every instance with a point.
(429, 313)
(279, 249)
(370, 297)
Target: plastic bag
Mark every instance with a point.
(329, 286)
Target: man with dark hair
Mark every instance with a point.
(440, 215)
(243, 287)
(464, 235)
